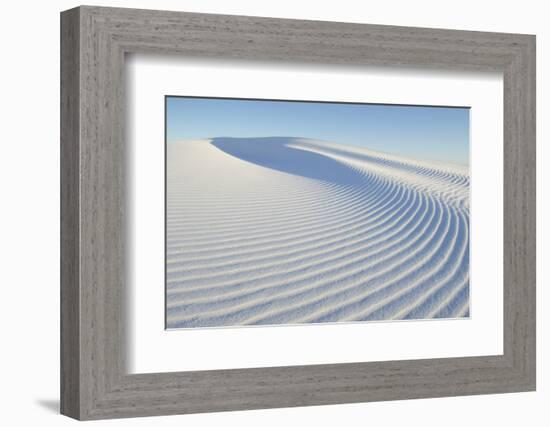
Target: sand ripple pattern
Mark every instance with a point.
(264, 231)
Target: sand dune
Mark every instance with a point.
(292, 230)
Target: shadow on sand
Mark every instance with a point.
(275, 153)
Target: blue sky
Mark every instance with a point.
(429, 133)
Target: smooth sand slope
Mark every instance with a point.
(290, 230)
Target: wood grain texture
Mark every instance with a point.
(94, 231)
(70, 221)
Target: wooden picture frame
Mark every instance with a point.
(94, 382)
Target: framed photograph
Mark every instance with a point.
(279, 230)
(261, 213)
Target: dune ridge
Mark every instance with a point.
(283, 230)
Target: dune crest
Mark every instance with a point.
(290, 230)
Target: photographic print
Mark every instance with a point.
(305, 212)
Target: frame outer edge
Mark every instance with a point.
(532, 137)
(70, 396)
(528, 172)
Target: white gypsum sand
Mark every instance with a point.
(289, 230)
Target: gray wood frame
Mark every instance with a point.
(94, 41)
